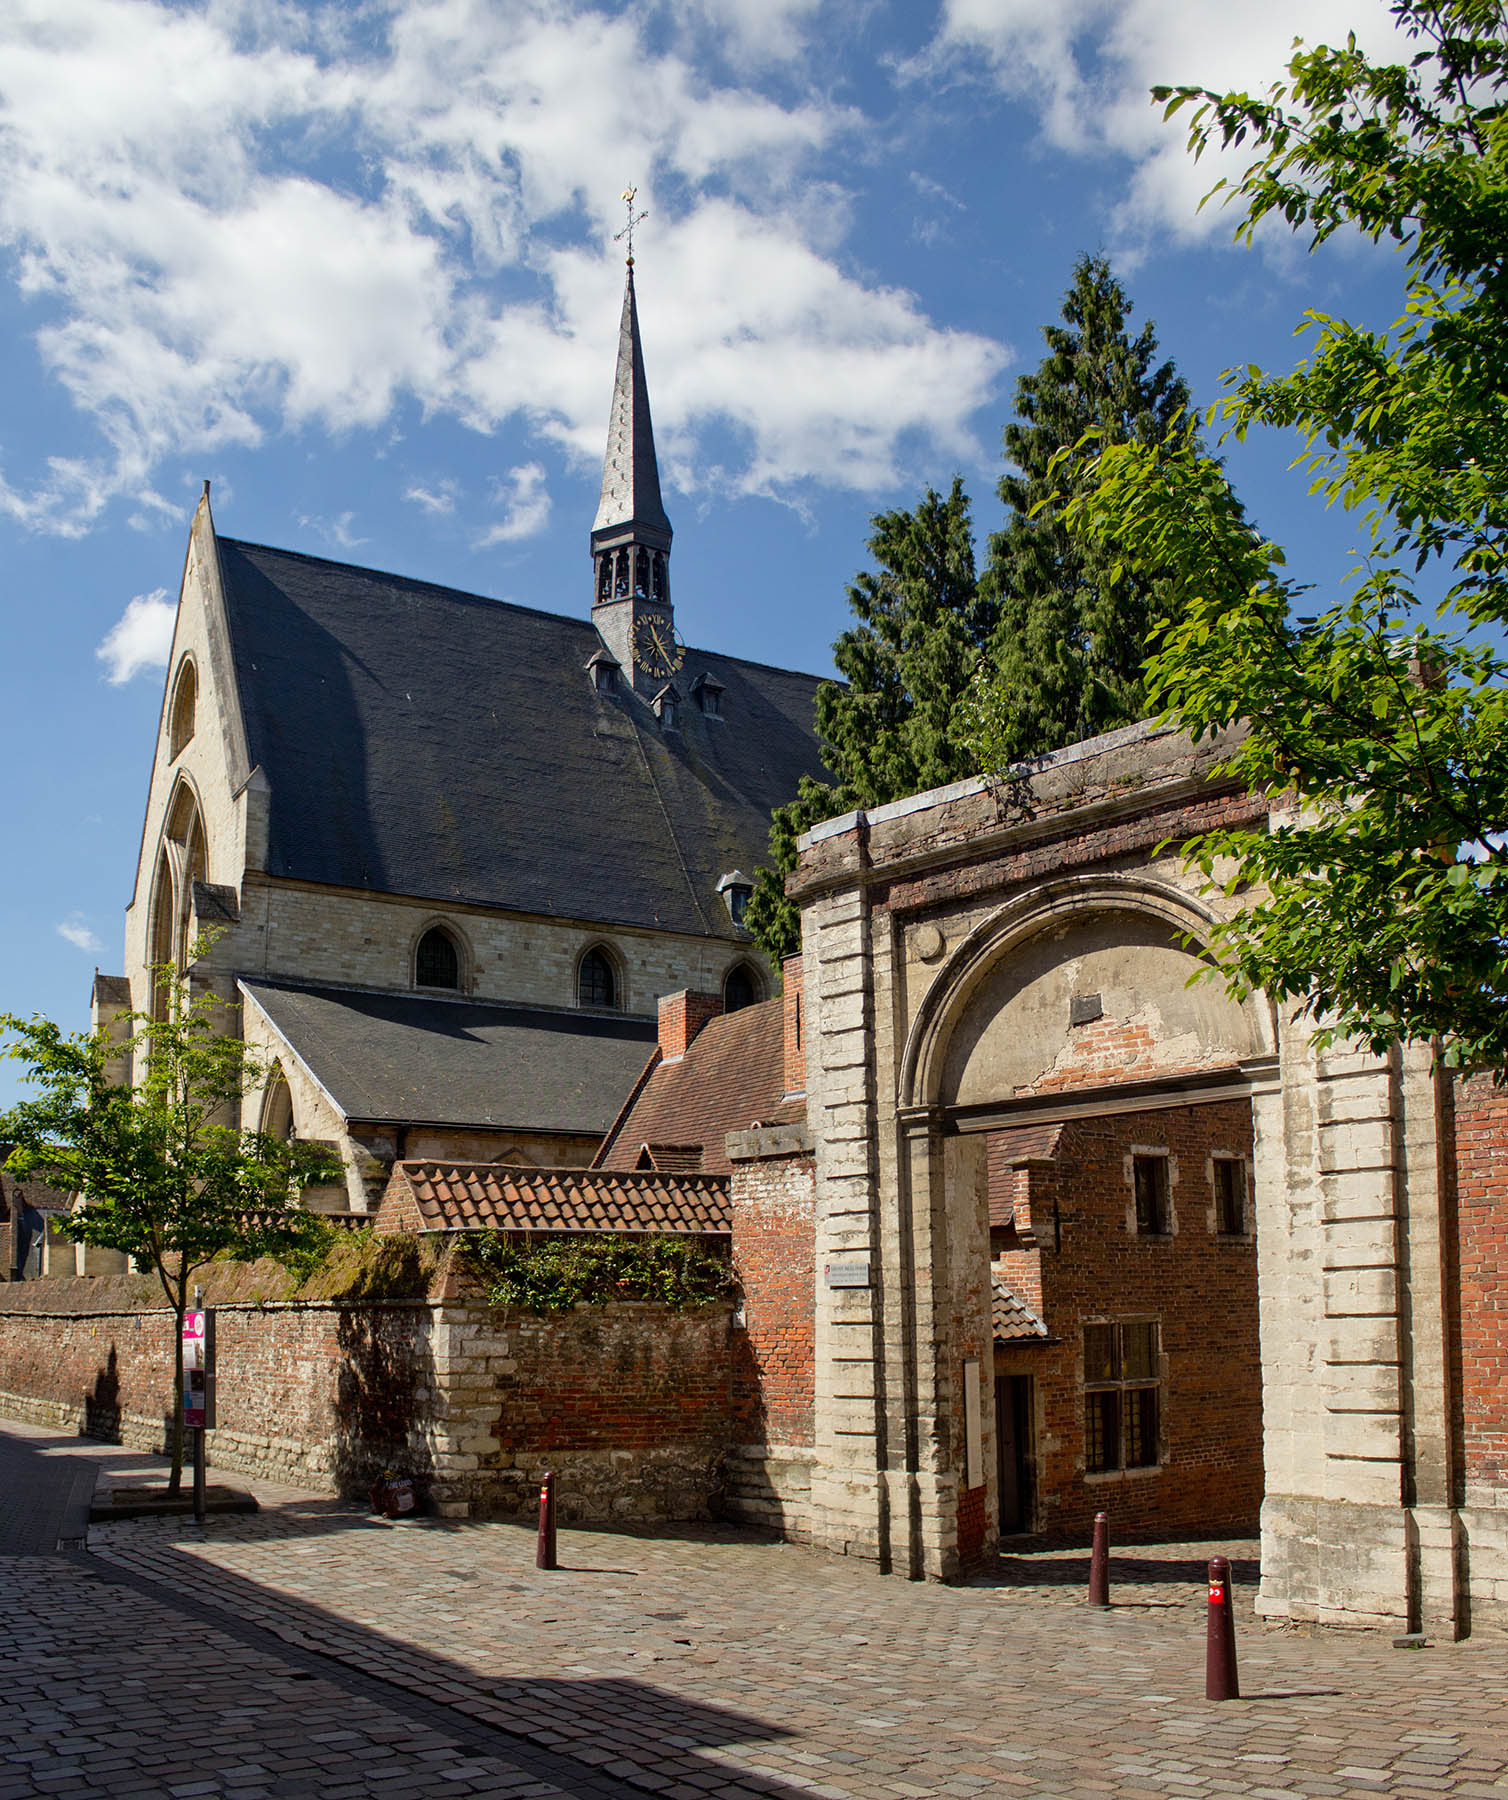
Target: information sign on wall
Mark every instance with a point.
(199, 1368)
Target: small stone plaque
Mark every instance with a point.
(853, 1274)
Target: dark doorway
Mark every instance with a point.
(1013, 1437)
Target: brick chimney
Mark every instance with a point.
(795, 1037)
(682, 1016)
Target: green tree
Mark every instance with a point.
(1385, 912)
(161, 1172)
(1073, 615)
(896, 727)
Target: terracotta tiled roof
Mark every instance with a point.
(505, 1197)
(732, 1076)
(1027, 1143)
(1014, 1320)
(669, 1157)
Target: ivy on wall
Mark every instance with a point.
(551, 1275)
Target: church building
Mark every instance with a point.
(450, 850)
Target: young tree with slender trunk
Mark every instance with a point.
(161, 1170)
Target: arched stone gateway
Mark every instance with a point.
(1010, 1072)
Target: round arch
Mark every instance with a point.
(998, 1009)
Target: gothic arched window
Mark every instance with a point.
(642, 578)
(181, 714)
(739, 988)
(621, 578)
(437, 962)
(596, 980)
(659, 575)
(605, 577)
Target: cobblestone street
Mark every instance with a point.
(311, 1650)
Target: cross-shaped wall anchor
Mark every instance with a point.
(630, 194)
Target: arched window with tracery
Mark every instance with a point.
(181, 713)
(437, 961)
(596, 980)
(740, 988)
(182, 860)
(277, 1108)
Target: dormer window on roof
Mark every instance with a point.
(708, 691)
(603, 667)
(665, 704)
(736, 890)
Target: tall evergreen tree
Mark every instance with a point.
(896, 727)
(1071, 629)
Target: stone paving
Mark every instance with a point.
(310, 1649)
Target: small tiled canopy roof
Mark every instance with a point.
(505, 1197)
(1014, 1320)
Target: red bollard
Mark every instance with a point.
(544, 1556)
(1220, 1637)
(1099, 1562)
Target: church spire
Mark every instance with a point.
(631, 535)
(630, 507)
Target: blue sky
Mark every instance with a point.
(356, 265)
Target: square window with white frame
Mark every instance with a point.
(1122, 1396)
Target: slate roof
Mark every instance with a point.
(630, 473)
(417, 740)
(501, 1197)
(733, 1073)
(1014, 1320)
(403, 1058)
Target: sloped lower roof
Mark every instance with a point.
(407, 1059)
(422, 741)
(502, 1197)
(733, 1073)
(1014, 1320)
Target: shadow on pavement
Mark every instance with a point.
(1025, 1569)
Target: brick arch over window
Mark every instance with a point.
(599, 979)
(440, 957)
(181, 714)
(1080, 984)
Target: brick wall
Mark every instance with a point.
(1481, 1159)
(774, 1253)
(1202, 1290)
(629, 1404)
(681, 1017)
(318, 1394)
(793, 1031)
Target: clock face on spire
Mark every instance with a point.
(657, 645)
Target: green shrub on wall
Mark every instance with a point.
(552, 1276)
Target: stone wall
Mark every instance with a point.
(629, 1404)
(1088, 1264)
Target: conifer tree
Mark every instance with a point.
(1072, 622)
(896, 728)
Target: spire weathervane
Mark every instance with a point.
(628, 196)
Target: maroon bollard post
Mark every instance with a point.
(1099, 1562)
(1220, 1681)
(544, 1556)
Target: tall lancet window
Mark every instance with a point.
(659, 575)
(605, 577)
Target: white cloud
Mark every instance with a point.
(522, 491)
(78, 933)
(141, 638)
(335, 531)
(439, 499)
(235, 217)
(1087, 68)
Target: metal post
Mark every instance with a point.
(1220, 1681)
(1099, 1562)
(198, 1443)
(544, 1555)
(199, 1475)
